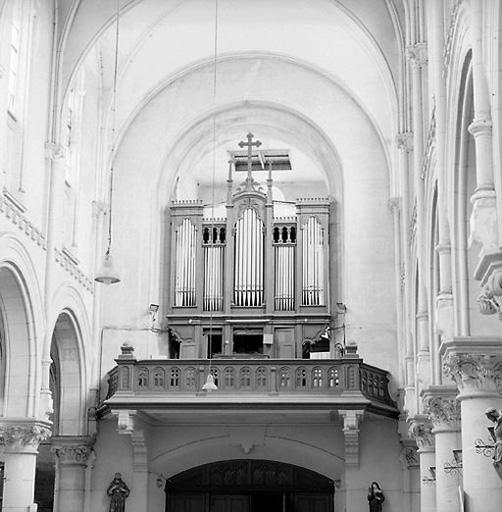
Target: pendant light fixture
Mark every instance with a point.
(107, 273)
(210, 384)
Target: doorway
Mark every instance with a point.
(248, 341)
(249, 486)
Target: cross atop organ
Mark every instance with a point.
(248, 283)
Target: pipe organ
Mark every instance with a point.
(249, 282)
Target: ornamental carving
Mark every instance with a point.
(73, 454)
(474, 371)
(404, 141)
(421, 431)
(417, 55)
(24, 435)
(444, 412)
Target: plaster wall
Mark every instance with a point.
(318, 447)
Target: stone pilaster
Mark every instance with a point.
(72, 456)
(420, 429)
(20, 438)
(475, 365)
(443, 409)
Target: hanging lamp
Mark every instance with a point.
(107, 273)
(210, 385)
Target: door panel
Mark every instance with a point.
(313, 503)
(186, 503)
(230, 503)
(285, 343)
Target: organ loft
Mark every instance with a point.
(250, 277)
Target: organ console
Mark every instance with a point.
(249, 283)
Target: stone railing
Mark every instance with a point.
(257, 376)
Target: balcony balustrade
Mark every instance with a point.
(347, 376)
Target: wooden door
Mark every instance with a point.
(186, 503)
(285, 339)
(229, 503)
(313, 503)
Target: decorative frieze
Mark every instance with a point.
(15, 215)
(69, 265)
(451, 34)
(412, 228)
(430, 146)
(22, 433)
(351, 422)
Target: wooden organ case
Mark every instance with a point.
(248, 284)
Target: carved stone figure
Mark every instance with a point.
(496, 433)
(118, 491)
(375, 497)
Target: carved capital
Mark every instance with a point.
(404, 141)
(394, 204)
(351, 422)
(420, 429)
(23, 434)
(74, 450)
(442, 407)
(417, 55)
(54, 151)
(474, 365)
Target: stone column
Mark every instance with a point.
(444, 411)
(420, 429)
(21, 438)
(72, 453)
(476, 367)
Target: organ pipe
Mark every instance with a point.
(313, 263)
(248, 273)
(186, 245)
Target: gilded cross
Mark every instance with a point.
(249, 144)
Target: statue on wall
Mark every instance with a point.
(496, 433)
(375, 497)
(118, 491)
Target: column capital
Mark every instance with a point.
(54, 151)
(420, 429)
(351, 421)
(72, 450)
(474, 364)
(404, 141)
(417, 54)
(23, 434)
(442, 407)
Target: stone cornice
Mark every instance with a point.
(474, 364)
(74, 450)
(442, 407)
(22, 433)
